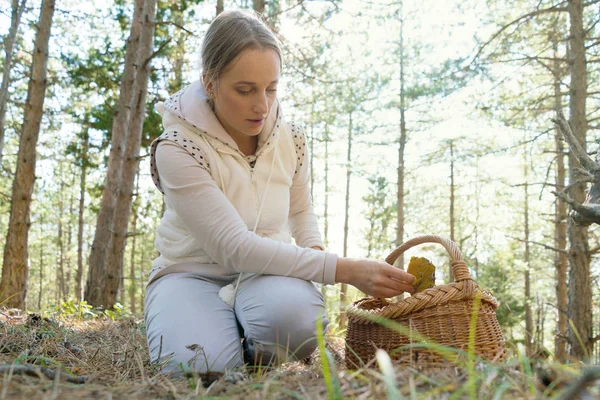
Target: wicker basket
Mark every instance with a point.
(441, 315)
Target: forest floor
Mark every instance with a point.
(95, 356)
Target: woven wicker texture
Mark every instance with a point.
(440, 315)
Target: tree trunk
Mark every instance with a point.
(13, 287)
(560, 227)
(9, 45)
(452, 218)
(70, 237)
(401, 148)
(115, 259)
(527, 259)
(42, 245)
(344, 288)
(259, 6)
(220, 6)
(132, 280)
(80, 224)
(326, 200)
(97, 287)
(178, 58)
(60, 271)
(143, 280)
(579, 290)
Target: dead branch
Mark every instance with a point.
(176, 25)
(527, 16)
(576, 148)
(586, 213)
(588, 376)
(157, 52)
(38, 371)
(540, 244)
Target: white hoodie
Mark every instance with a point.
(226, 212)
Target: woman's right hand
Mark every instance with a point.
(374, 277)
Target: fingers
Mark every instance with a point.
(384, 292)
(400, 275)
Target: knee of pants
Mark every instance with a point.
(292, 337)
(195, 359)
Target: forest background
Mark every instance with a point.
(429, 117)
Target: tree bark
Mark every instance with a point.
(528, 314)
(115, 259)
(15, 269)
(401, 148)
(579, 291)
(60, 271)
(326, 200)
(42, 246)
(344, 288)
(560, 227)
(220, 6)
(9, 45)
(97, 287)
(132, 280)
(259, 6)
(452, 219)
(80, 224)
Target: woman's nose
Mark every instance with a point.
(261, 104)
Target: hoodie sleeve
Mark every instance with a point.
(220, 231)
(302, 219)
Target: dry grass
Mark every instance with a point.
(41, 357)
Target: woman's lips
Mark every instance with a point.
(256, 122)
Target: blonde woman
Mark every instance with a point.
(229, 287)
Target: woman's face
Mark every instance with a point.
(246, 92)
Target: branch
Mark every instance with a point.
(586, 213)
(575, 389)
(175, 24)
(37, 371)
(576, 148)
(516, 21)
(155, 53)
(540, 244)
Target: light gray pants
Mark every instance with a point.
(275, 315)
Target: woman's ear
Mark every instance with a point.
(208, 86)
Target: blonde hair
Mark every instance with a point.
(229, 34)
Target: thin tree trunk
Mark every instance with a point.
(528, 313)
(401, 148)
(80, 224)
(42, 245)
(579, 290)
(97, 286)
(312, 149)
(115, 259)
(344, 288)
(259, 6)
(9, 45)
(132, 281)
(220, 6)
(178, 58)
(143, 278)
(560, 227)
(60, 271)
(452, 219)
(326, 204)
(70, 237)
(13, 287)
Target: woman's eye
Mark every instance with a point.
(272, 90)
(244, 92)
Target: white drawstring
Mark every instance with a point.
(228, 292)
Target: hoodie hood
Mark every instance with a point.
(191, 105)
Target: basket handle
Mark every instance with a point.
(459, 267)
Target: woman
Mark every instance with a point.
(228, 286)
